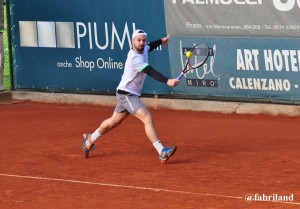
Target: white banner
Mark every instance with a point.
(268, 18)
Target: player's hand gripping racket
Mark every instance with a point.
(197, 56)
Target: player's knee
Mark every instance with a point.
(116, 123)
(148, 119)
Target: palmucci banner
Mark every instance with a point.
(79, 45)
(268, 18)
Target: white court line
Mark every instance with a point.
(133, 187)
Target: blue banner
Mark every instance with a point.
(77, 45)
(247, 68)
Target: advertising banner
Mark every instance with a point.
(266, 69)
(240, 18)
(79, 45)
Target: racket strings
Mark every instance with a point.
(200, 54)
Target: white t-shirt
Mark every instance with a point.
(133, 78)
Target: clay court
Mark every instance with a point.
(221, 158)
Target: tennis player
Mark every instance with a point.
(129, 92)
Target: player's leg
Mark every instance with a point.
(145, 116)
(112, 122)
(108, 124)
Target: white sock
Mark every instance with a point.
(95, 136)
(158, 146)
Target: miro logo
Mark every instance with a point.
(73, 35)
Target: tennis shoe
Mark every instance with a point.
(166, 153)
(87, 144)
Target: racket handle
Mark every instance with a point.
(180, 76)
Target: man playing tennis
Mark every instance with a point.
(129, 92)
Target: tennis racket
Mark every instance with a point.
(200, 53)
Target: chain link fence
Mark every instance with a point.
(1, 46)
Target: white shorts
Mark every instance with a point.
(128, 102)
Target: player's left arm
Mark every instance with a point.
(160, 77)
(154, 44)
(149, 70)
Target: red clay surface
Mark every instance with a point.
(220, 159)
